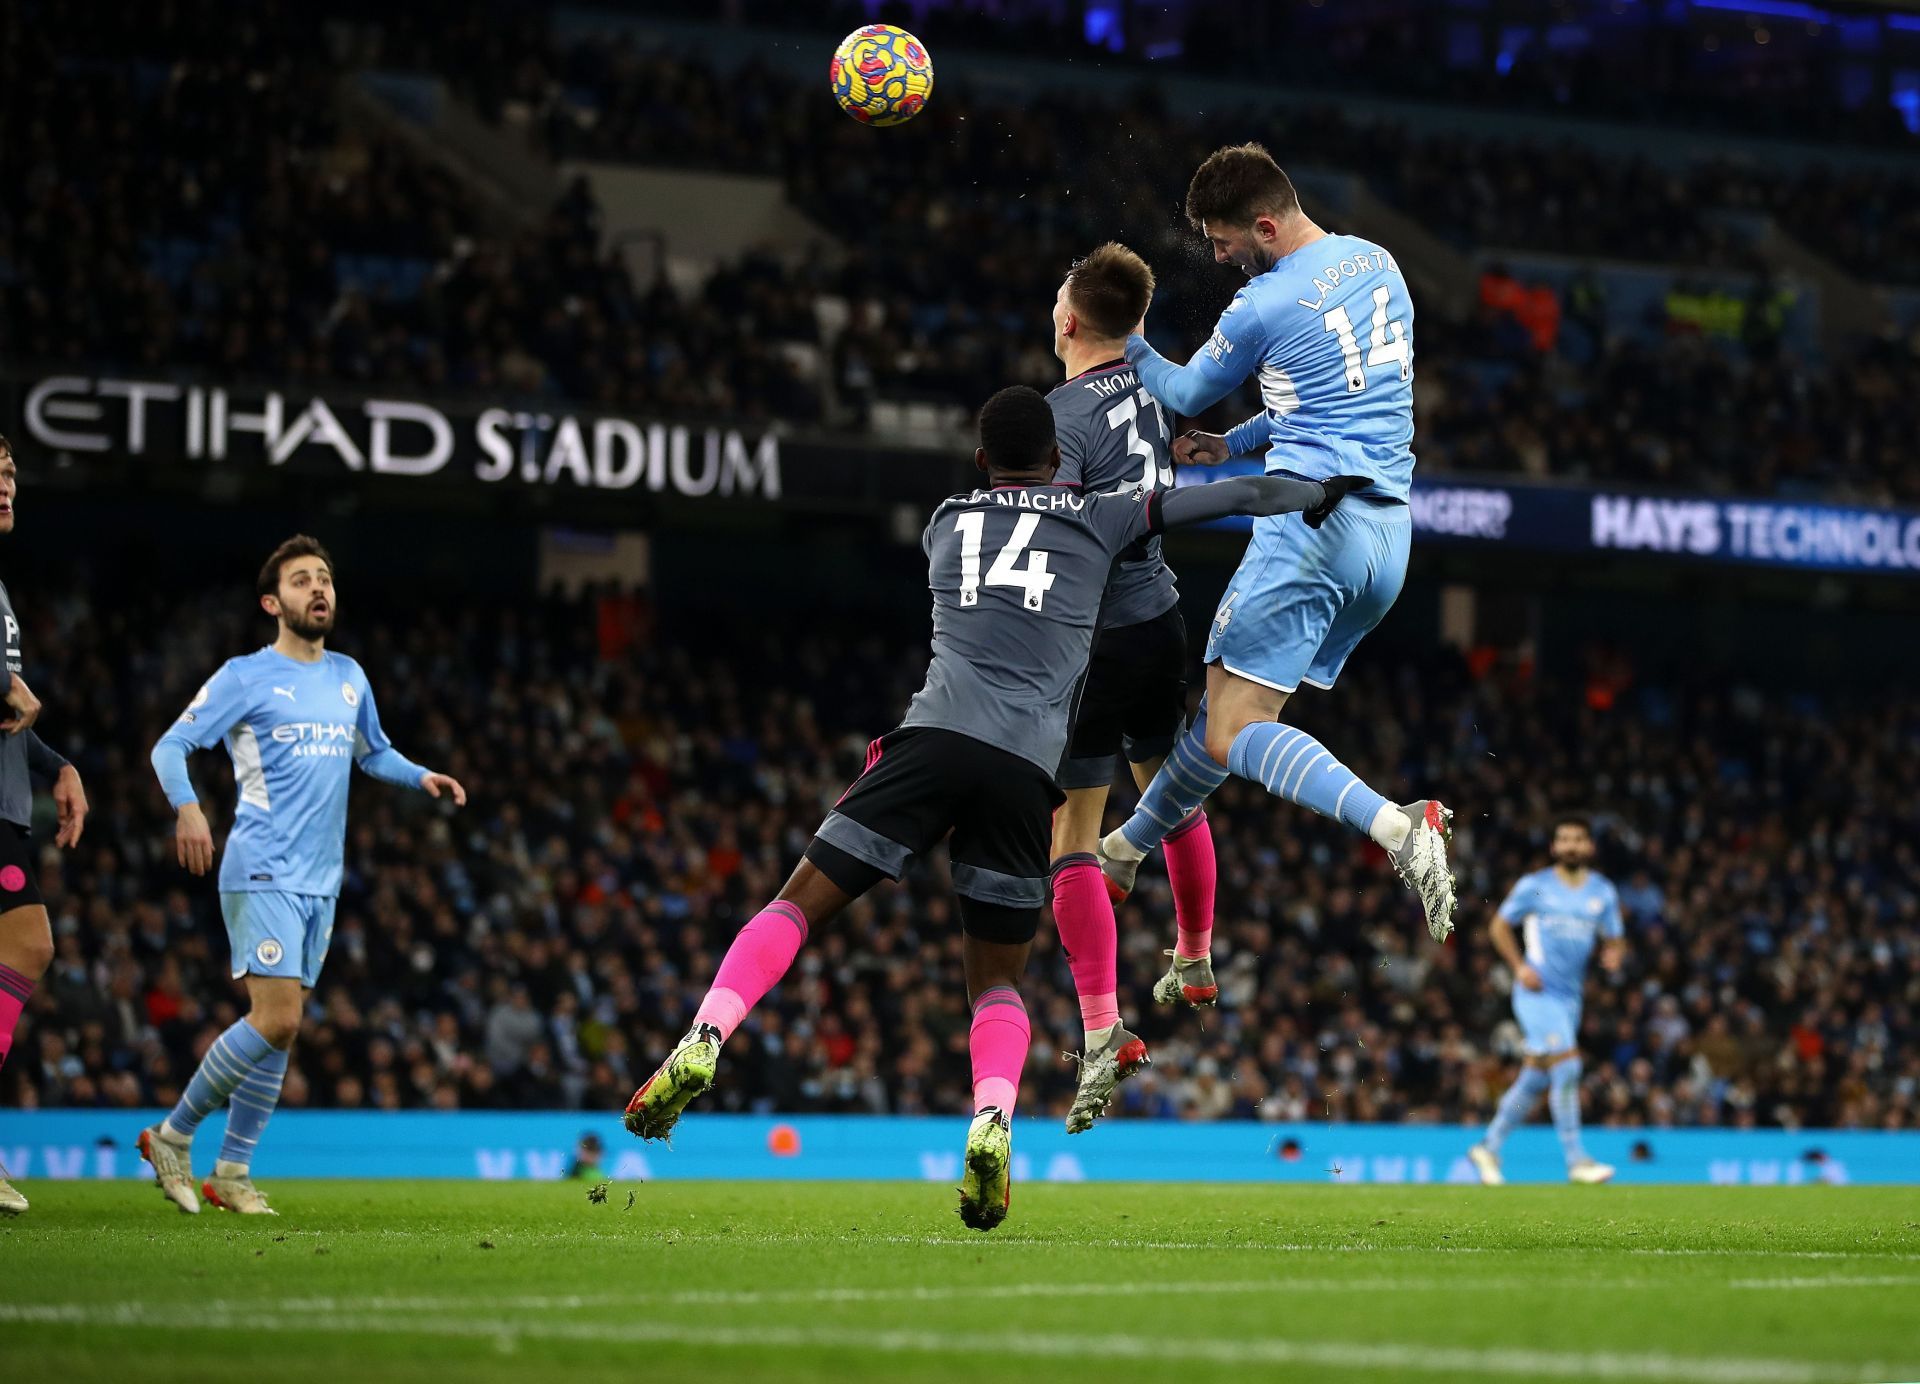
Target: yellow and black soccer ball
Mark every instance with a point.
(881, 75)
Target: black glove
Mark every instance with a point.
(1337, 488)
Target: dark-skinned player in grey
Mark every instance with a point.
(1017, 570)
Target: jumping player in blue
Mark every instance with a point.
(296, 721)
(1560, 912)
(1326, 323)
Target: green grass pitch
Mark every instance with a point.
(870, 1281)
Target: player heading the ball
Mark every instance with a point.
(1325, 324)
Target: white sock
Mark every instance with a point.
(1390, 827)
(223, 1168)
(1097, 1037)
(1116, 845)
(174, 1136)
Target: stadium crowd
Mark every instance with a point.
(200, 203)
(633, 805)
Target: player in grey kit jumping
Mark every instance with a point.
(1017, 571)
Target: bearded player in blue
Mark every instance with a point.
(296, 720)
(1326, 323)
(1560, 912)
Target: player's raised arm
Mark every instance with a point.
(1128, 516)
(375, 755)
(1258, 496)
(1216, 369)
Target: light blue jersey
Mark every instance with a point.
(1559, 924)
(294, 732)
(1329, 331)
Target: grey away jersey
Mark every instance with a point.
(23, 757)
(1114, 436)
(1017, 574)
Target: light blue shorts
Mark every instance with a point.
(1550, 1023)
(1303, 598)
(278, 934)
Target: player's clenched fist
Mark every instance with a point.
(1200, 449)
(193, 839)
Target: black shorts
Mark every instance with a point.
(921, 784)
(19, 879)
(1133, 699)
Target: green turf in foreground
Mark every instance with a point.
(852, 1282)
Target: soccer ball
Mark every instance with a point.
(881, 75)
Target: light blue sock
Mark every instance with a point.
(251, 1106)
(1184, 782)
(1515, 1107)
(1291, 764)
(1564, 1101)
(228, 1062)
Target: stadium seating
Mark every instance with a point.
(201, 204)
(633, 805)
(307, 248)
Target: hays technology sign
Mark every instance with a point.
(396, 437)
(1772, 533)
(1578, 520)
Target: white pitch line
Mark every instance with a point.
(1004, 1241)
(573, 1302)
(827, 1296)
(1211, 1246)
(1832, 1281)
(1391, 1357)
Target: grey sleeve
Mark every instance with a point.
(43, 762)
(1073, 456)
(1123, 517)
(1255, 495)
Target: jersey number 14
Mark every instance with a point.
(1032, 580)
(1383, 349)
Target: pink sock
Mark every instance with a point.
(1088, 934)
(14, 990)
(1191, 872)
(753, 965)
(998, 1042)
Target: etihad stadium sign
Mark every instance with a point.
(396, 437)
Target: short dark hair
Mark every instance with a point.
(1238, 183)
(1574, 819)
(6, 447)
(1110, 289)
(1016, 429)
(300, 545)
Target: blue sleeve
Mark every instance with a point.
(1249, 439)
(1610, 922)
(1229, 356)
(375, 754)
(1519, 901)
(219, 705)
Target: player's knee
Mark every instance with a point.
(1220, 738)
(35, 955)
(277, 1025)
